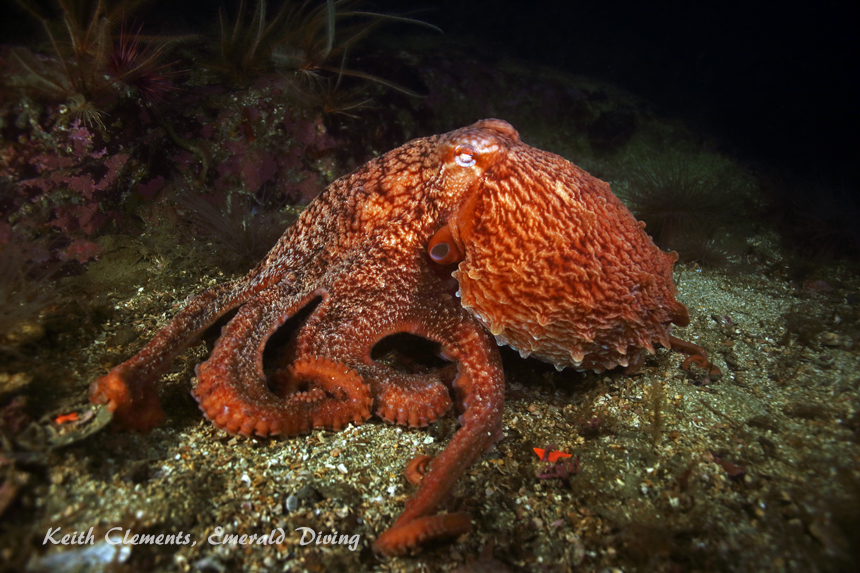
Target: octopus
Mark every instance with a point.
(471, 240)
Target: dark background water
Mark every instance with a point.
(775, 83)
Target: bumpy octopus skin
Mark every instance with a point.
(450, 237)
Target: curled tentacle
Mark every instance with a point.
(133, 401)
(333, 393)
(402, 538)
(232, 389)
(417, 468)
(697, 356)
(413, 400)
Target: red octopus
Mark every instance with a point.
(454, 238)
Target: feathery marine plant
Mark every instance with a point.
(327, 94)
(688, 203)
(97, 53)
(300, 36)
(673, 193)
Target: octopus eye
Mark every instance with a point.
(464, 155)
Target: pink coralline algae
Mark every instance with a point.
(261, 152)
(58, 181)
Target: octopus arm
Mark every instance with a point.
(696, 355)
(128, 389)
(480, 388)
(409, 399)
(232, 387)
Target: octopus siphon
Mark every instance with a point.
(469, 239)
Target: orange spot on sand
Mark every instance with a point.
(554, 455)
(73, 417)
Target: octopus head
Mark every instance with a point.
(548, 259)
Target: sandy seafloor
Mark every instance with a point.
(646, 497)
(757, 471)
